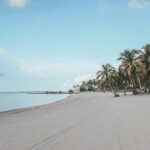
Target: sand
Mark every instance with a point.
(91, 121)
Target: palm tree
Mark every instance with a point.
(144, 57)
(106, 74)
(123, 80)
(141, 74)
(133, 73)
(91, 85)
(128, 67)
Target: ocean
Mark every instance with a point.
(12, 101)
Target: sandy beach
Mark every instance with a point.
(92, 121)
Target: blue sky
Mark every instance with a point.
(53, 44)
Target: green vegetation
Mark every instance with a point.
(133, 74)
(70, 91)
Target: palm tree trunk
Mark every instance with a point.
(111, 87)
(139, 81)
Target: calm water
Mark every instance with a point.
(20, 100)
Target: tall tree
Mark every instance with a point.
(129, 58)
(106, 74)
(144, 57)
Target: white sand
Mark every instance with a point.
(82, 122)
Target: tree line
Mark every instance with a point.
(133, 74)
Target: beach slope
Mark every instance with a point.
(92, 121)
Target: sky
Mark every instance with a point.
(54, 44)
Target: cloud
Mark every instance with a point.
(78, 80)
(18, 4)
(138, 4)
(43, 68)
(5, 55)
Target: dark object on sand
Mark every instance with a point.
(117, 95)
(135, 92)
(124, 93)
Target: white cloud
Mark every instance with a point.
(78, 80)
(4, 54)
(138, 4)
(43, 68)
(18, 4)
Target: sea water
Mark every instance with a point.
(12, 101)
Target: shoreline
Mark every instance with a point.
(62, 101)
(23, 101)
(84, 121)
(33, 107)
